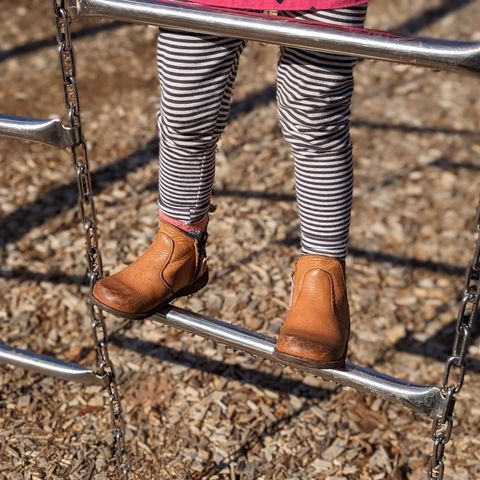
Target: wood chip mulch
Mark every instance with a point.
(193, 411)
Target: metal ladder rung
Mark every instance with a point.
(357, 42)
(50, 366)
(48, 131)
(424, 399)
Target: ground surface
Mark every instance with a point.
(189, 415)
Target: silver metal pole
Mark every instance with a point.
(47, 131)
(50, 366)
(424, 399)
(358, 42)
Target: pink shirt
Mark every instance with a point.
(283, 4)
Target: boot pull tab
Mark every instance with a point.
(292, 286)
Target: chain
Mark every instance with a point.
(455, 366)
(79, 155)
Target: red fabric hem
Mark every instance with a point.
(186, 227)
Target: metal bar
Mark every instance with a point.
(424, 399)
(47, 131)
(420, 51)
(50, 366)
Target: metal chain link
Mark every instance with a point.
(455, 366)
(87, 211)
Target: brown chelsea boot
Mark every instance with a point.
(173, 266)
(315, 332)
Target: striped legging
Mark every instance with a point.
(314, 90)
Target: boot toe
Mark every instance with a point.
(114, 294)
(322, 352)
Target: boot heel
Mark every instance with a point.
(191, 289)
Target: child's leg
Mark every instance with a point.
(314, 94)
(196, 75)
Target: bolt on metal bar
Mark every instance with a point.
(424, 399)
(358, 42)
(47, 131)
(50, 366)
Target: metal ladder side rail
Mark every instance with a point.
(50, 366)
(358, 42)
(424, 399)
(49, 131)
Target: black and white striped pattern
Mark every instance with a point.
(196, 77)
(314, 91)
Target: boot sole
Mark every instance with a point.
(188, 290)
(306, 363)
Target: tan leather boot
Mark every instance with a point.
(315, 332)
(173, 266)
